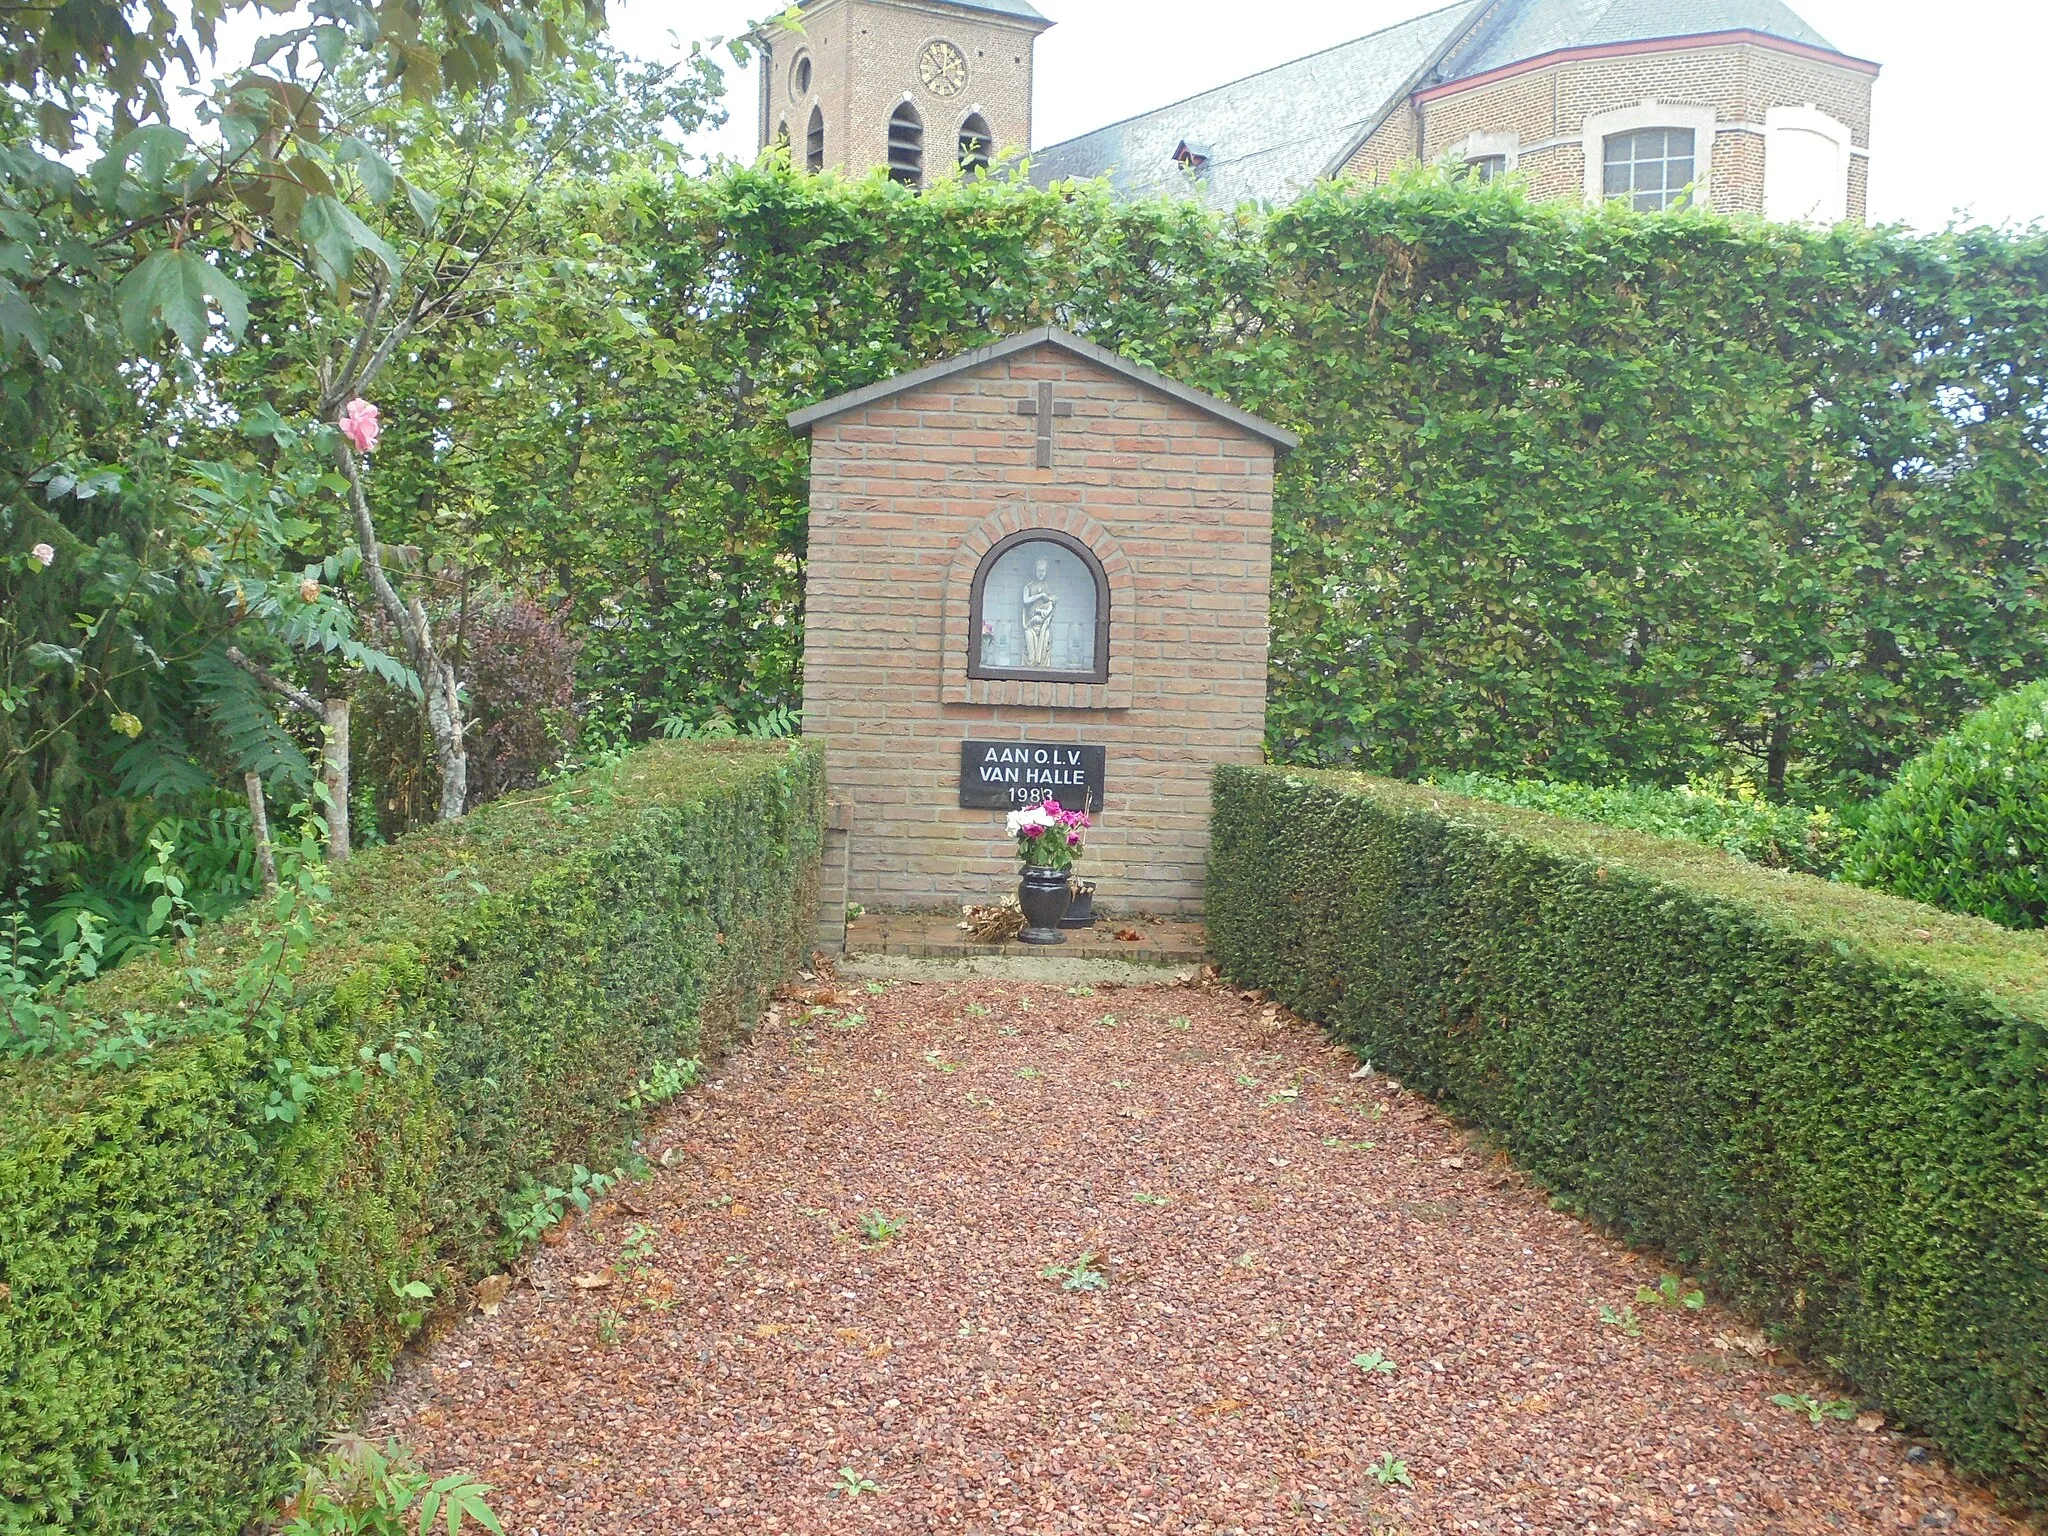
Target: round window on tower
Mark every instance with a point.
(800, 76)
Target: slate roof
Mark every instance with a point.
(1271, 135)
(1021, 9)
(1047, 335)
(1533, 27)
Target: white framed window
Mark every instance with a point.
(1650, 169)
(1650, 154)
(1806, 166)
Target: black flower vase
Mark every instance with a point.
(1043, 895)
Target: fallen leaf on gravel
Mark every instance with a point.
(490, 1293)
(1222, 1406)
(1134, 1112)
(770, 1330)
(1870, 1423)
(1751, 1342)
(1450, 1162)
(597, 1280)
(1130, 936)
(554, 1237)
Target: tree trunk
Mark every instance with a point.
(266, 861)
(336, 766)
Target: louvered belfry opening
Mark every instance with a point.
(906, 146)
(814, 142)
(977, 144)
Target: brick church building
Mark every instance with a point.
(1738, 104)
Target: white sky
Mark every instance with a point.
(1957, 116)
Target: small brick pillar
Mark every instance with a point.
(830, 934)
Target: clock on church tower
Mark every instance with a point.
(917, 90)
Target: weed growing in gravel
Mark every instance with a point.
(1355, 1146)
(536, 1207)
(977, 1010)
(975, 1101)
(1671, 1292)
(668, 1080)
(1626, 1320)
(361, 1489)
(1108, 1021)
(851, 1021)
(877, 1230)
(638, 1248)
(1142, 1198)
(1246, 1080)
(1389, 1470)
(1373, 1363)
(1010, 1029)
(1121, 1084)
(1283, 1096)
(1179, 1022)
(852, 1485)
(938, 1060)
(877, 988)
(1080, 991)
(1029, 1074)
(608, 1327)
(1816, 1411)
(1084, 1274)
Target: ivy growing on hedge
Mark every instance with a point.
(187, 1294)
(1587, 496)
(1827, 1102)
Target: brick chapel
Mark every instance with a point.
(1735, 104)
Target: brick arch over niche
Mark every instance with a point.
(956, 687)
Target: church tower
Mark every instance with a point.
(921, 87)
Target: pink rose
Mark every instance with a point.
(45, 556)
(359, 425)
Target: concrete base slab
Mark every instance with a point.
(1043, 966)
(1152, 941)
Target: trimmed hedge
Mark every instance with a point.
(1965, 825)
(186, 1296)
(1826, 1102)
(1776, 836)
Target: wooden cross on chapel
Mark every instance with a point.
(1045, 408)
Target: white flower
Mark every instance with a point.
(45, 555)
(1036, 819)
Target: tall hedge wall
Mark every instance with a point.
(1600, 497)
(187, 1294)
(1827, 1102)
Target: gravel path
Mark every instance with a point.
(1262, 1216)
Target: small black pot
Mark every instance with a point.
(1043, 894)
(1081, 910)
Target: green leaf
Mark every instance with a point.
(334, 236)
(20, 325)
(169, 289)
(378, 177)
(425, 206)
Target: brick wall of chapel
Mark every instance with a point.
(865, 58)
(1547, 109)
(906, 494)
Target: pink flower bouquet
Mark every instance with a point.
(1049, 836)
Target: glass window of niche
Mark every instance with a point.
(1040, 612)
(1651, 167)
(1486, 167)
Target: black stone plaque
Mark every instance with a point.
(1010, 775)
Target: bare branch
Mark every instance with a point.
(298, 698)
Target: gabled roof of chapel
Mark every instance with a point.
(1274, 134)
(802, 421)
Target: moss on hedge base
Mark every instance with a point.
(186, 1297)
(1827, 1102)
